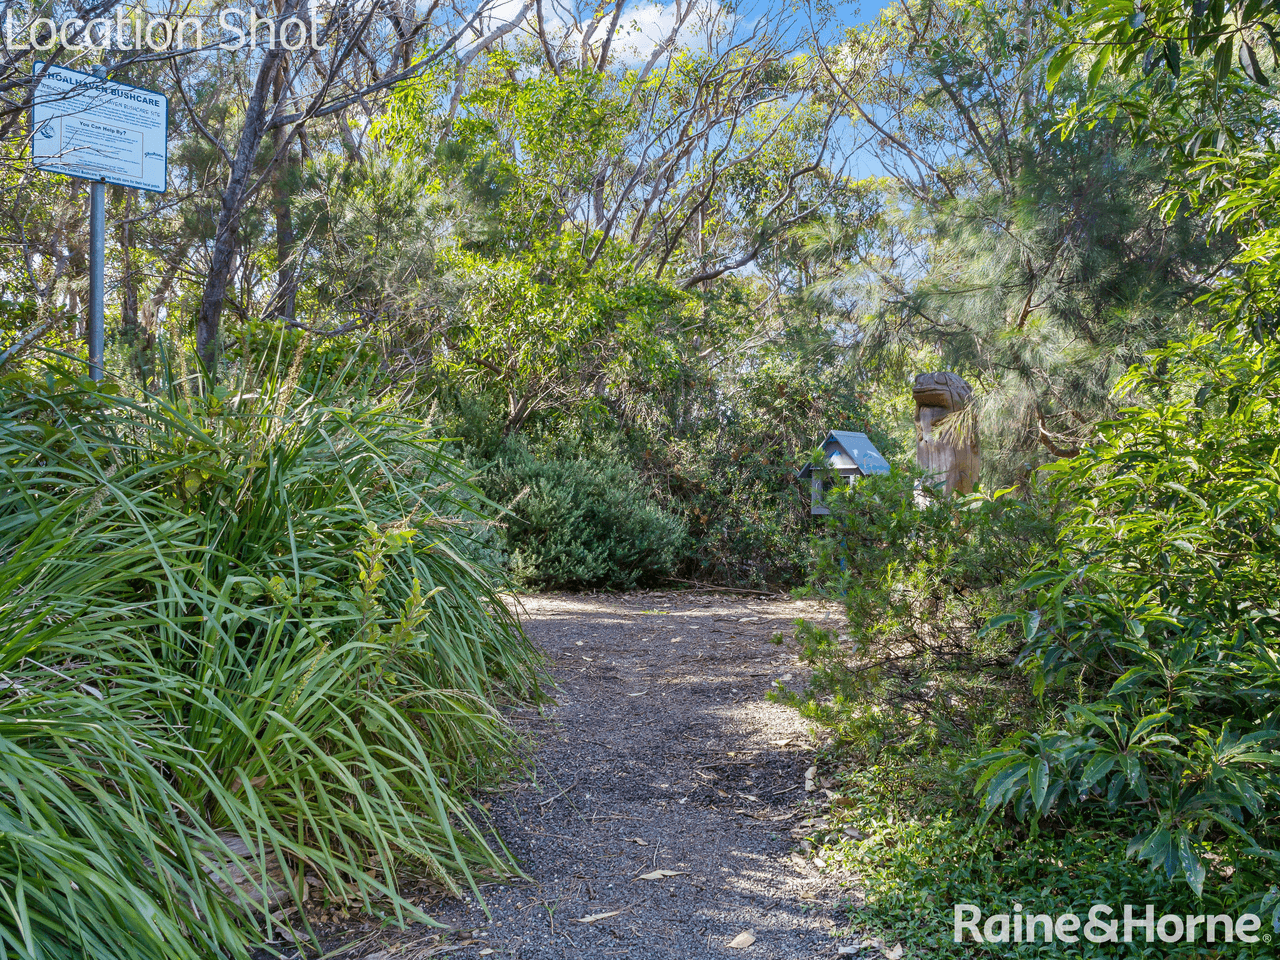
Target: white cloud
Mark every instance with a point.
(648, 24)
(641, 28)
(501, 11)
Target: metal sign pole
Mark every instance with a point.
(97, 265)
(97, 270)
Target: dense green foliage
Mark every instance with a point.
(918, 579)
(1162, 606)
(242, 628)
(1121, 718)
(582, 521)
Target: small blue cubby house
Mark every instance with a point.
(849, 456)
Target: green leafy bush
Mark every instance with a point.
(1162, 609)
(243, 623)
(918, 579)
(919, 847)
(930, 668)
(582, 521)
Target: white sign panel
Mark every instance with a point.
(99, 129)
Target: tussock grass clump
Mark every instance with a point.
(246, 622)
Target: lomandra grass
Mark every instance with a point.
(247, 656)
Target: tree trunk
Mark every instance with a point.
(286, 272)
(233, 197)
(128, 276)
(137, 342)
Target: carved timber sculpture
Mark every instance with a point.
(946, 431)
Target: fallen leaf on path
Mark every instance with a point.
(659, 874)
(485, 952)
(782, 743)
(599, 916)
(643, 843)
(742, 940)
(894, 952)
(748, 796)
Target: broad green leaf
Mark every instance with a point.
(1039, 781)
(1192, 866)
(1147, 724)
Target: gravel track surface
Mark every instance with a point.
(661, 753)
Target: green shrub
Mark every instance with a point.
(248, 622)
(583, 521)
(724, 456)
(747, 515)
(919, 848)
(1161, 610)
(918, 581)
(714, 444)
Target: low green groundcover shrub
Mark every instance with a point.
(581, 521)
(249, 622)
(920, 847)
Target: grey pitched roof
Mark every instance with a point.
(845, 449)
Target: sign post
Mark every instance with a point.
(97, 275)
(97, 267)
(88, 127)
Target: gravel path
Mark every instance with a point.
(661, 754)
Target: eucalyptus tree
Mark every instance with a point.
(356, 53)
(605, 190)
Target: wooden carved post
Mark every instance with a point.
(946, 431)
